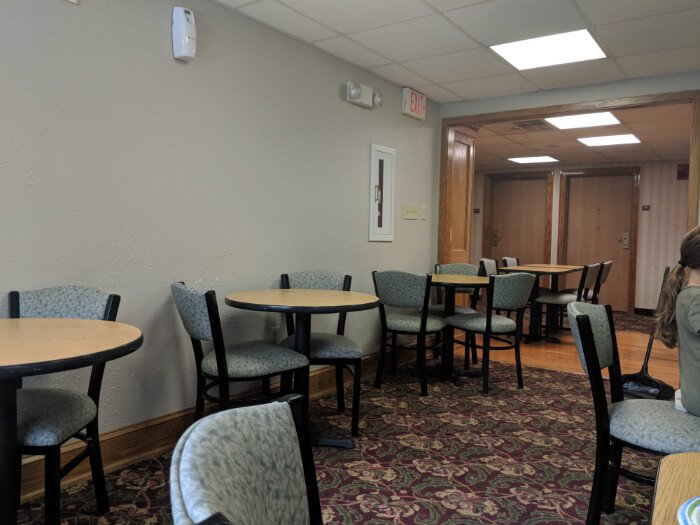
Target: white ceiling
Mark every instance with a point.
(440, 47)
(664, 132)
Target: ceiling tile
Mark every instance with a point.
(501, 21)
(606, 11)
(445, 5)
(495, 140)
(400, 76)
(463, 65)
(286, 20)
(661, 63)
(439, 94)
(347, 16)
(652, 34)
(351, 52)
(539, 136)
(419, 38)
(499, 86)
(581, 73)
(503, 128)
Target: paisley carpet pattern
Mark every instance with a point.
(454, 457)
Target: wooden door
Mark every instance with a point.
(455, 199)
(601, 226)
(518, 225)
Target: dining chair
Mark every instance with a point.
(510, 261)
(48, 417)
(645, 425)
(490, 266)
(508, 292)
(326, 348)
(410, 292)
(250, 465)
(247, 361)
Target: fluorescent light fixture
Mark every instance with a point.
(532, 160)
(586, 120)
(610, 140)
(562, 48)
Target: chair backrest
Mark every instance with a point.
(251, 465)
(318, 280)
(402, 289)
(511, 291)
(73, 302)
(607, 266)
(457, 269)
(589, 282)
(490, 266)
(510, 261)
(196, 309)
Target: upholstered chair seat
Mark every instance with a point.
(47, 417)
(477, 323)
(329, 346)
(562, 298)
(255, 359)
(411, 323)
(439, 309)
(655, 425)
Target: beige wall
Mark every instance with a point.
(125, 170)
(659, 231)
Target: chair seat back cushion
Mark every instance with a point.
(49, 416)
(512, 291)
(410, 323)
(255, 359)
(655, 425)
(329, 346)
(562, 298)
(244, 463)
(401, 289)
(600, 326)
(192, 307)
(316, 280)
(64, 301)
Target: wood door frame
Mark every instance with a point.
(564, 209)
(446, 157)
(474, 122)
(488, 209)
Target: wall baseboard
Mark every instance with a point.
(133, 443)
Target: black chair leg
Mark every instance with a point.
(468, 347)
(612, 478)
(52, 485)
(357, 379)
(380, 363)
(18, 483)
(339, 388)
(475, 360)
(600, 475)
(394, 355)
(301, 381)
(518, 364)
(421, 366)
(199, 404)
(265, 386)
(485, 364)
(98, 473)
(286, 381)
(437, 342)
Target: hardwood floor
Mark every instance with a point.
(663, 363)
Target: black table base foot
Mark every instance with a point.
(333, 442)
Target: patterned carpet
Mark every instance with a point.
(454, 457)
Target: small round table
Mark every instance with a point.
(32, 346)
(303, 303)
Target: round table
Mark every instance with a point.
(303, 303)
(31, 346)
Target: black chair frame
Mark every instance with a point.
(608, 448)
(421, 345)
(53, 472)
(354, 366)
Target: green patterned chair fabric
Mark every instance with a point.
(255, 359)
(601, 332)
(410, 323)
(458, 269)
(316, 279)
(244, 463)
(401, 289)
(592, 275)
(607, 266)
(64, 301)
(47, 417)
(490, 266)
(192, 306)
(329, 346)
(562, 298)
(512, 291)
(510, 261)
(477, 323)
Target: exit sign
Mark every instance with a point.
(413, 103)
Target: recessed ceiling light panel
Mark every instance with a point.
(562, 48)
(586, 120)
(532, 160)
(610, 140)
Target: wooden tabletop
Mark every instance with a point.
(34, 346)
(677, 481)
(449, 279)
(541, 269)
(302, 300)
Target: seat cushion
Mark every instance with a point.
(411, 323)
(329, 346)
(49, 416)
(655, 425)
(255, 359)
(588, 294)
(439, 309)
(557, 298)
(477, 323)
